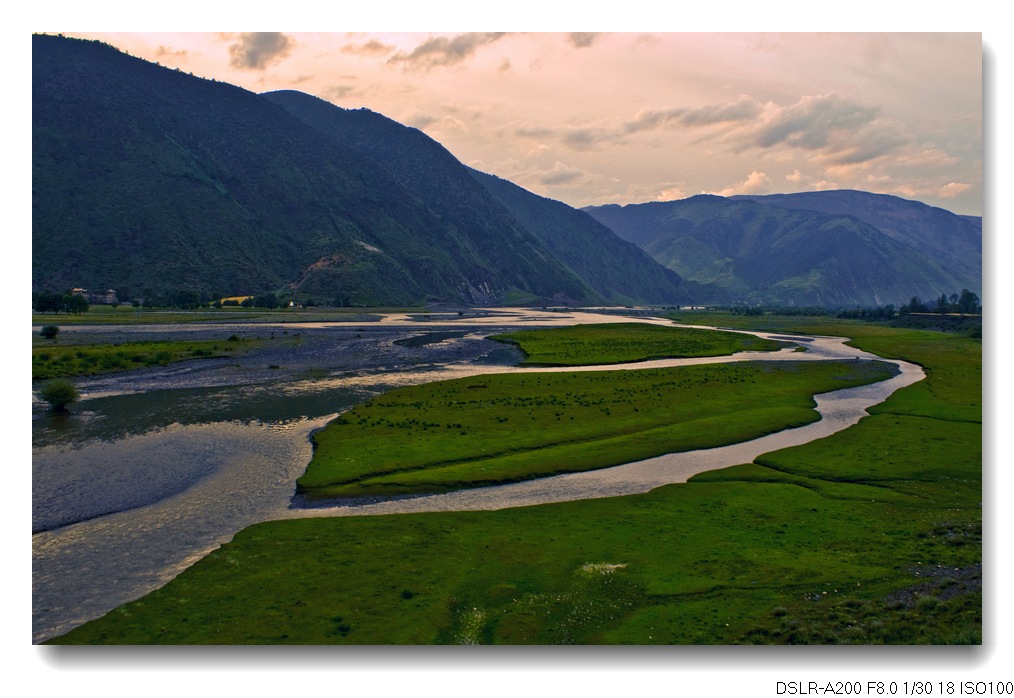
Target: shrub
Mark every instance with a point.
(59, 393)
(49, 331)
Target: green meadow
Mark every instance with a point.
(613, 343)
(128, 315)
(503, 428)
(53, 360)
(870, 536)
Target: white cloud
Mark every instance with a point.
(755, 183)
(953, 189)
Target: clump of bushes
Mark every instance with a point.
(49, 331)
(59, 393)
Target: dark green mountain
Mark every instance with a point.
(155, 180)
(616, 270)
(619, 270)
(769, 254)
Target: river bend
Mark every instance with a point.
(161, 467)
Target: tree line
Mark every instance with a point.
(53, 302)
(964, 303)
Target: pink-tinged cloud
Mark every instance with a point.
(583, 39)
(755, 183)
(445, 51)
(812, 123)
(337, 92)
(744, 109)
(671, 194)
(560, 174)
(258, 50)
(952, 190)
(373, 47)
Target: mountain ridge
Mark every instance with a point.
(429, 170)
(762, 252)
(148, 179)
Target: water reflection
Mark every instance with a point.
(128, 451)
(114, 417)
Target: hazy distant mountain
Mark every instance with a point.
(762, 253)
(151, 179)
(954, 242)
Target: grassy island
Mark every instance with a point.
(504, 428)
(50, 360)
(613, 343)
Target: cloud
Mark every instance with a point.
(444, 51)
(258, 50)
(755, 183)
(335, 92)
(560, 174)
(372, 47)
(839, 131)
(743, 109)
(952, 190)
(812, 122)
(166, 51)
(583, 138)
(671, 194)
(534, 132)
(583, 39)
(419, 120)
(587, 138)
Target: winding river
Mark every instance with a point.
(156, 468)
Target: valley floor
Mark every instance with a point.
(632, 569)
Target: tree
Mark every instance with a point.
(266, 300)
(47, 302)
(75, 303)
(968, 302)
(914, 306)
(49, 331)
(186, 299)
(59, 393)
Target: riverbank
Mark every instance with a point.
(357, 637)
(827, 542)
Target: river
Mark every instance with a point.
(155, 468)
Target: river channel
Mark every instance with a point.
(155, 468)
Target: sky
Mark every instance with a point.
(595, 118)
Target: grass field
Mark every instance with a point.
(870, 536)
(504, 428)
(127, 315)
(53, 360)
(613, 343)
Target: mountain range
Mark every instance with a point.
(830, 248)
(149, 180)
